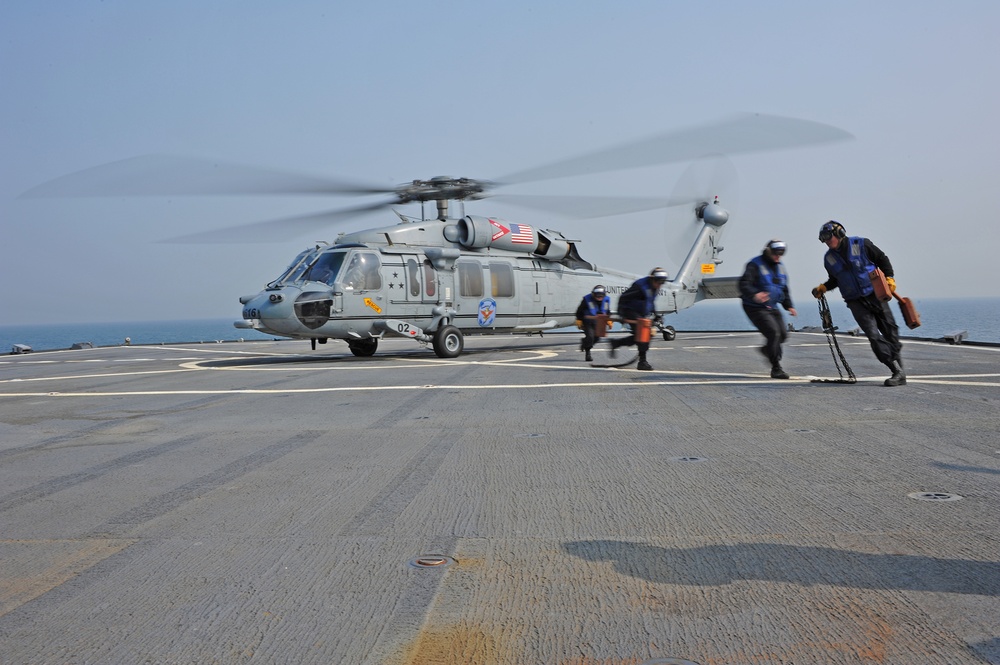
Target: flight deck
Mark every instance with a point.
(260, 502)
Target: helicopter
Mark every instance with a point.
(437, 280)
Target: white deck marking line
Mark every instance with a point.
(93, 376)
(432, 386)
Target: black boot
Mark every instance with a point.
(777, 372)
(643, 365)
(588, 357)
(898, 377)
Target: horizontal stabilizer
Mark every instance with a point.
(721, 287)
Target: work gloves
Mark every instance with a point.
(819, 291)
(892, 284)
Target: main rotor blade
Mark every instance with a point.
(591, 207)
(168, 175)
(739, 134)
(278, 230)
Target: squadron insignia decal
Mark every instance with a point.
(487, 312)
(501, 230)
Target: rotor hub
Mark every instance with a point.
(441, 188)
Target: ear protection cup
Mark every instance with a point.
(833, 228)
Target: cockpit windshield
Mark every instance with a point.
(325, 268)
(297, 267)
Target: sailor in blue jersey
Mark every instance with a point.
(639, 302)
(763, 287)
(593, 304)
(848, 262)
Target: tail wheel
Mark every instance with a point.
(363, 348)
(669, 334)
(448, 342)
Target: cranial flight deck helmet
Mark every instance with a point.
(832, 229)
(777, 247)
(599, 290)
(658, 273)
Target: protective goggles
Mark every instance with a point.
(829, 230)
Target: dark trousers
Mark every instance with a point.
(643, 347)
(589, 334)
(771, 325)
(879, 326)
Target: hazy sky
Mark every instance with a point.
(386, 92)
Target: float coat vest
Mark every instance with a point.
(852, 273)
(591, 306)
(773, 279)
(639, 300)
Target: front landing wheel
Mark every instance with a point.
(448, 342)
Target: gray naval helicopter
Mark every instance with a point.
(437, 280)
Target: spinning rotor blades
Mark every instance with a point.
(163, 175)
(277, 230)
(167, 175)
(742, 133)
(589, 207)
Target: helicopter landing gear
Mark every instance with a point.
(363, 348)
(669, 334)
(448, 342)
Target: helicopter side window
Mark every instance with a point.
(430, 278)
(413, 277)
(363, 273)
(502, 280)
(325, 268)
(470, 278)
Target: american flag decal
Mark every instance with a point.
(522, 234)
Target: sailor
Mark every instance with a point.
(763, 287)
(637, 307)
(848, 262)
(593, 305)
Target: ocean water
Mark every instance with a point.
(980, 317)
(50, 337)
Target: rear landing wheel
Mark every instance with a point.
(363, 348)
(448, 342)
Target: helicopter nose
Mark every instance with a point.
(268, 309)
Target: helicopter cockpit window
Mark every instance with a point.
(362, 273)
(297, 267)
(470, 278)
(325, 268)
(502, 280)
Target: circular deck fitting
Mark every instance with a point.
(431, 561)
(668, 661)
(531, 436)
(934, 496)
(800, 431)
(688, 459)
